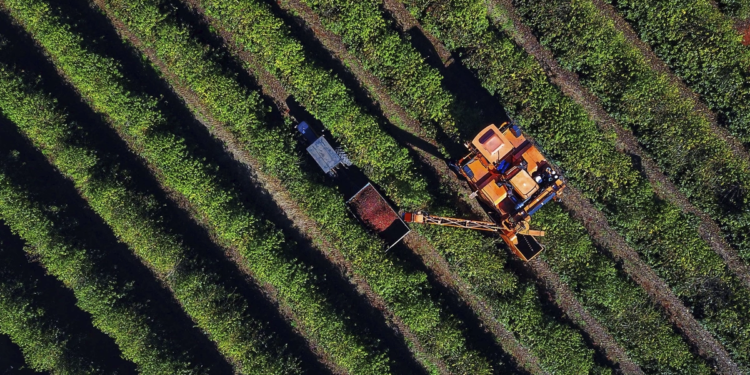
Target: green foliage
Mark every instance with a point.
(739, 9)
(666, 238)
(110, 297)
(134, 216)
(591, 163)
(417, 87)
(324, 95)
(702, 166)
(274, 261)
(702, 47)
(390, 57)
(613, 298)
(48, 343)
(473, 256)
(405, 288)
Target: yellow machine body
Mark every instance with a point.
(507, 172)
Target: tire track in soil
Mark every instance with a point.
(627, 143)
(565, 298)
(272, 186)
(659, 66)
(429, 255)
(710, 349)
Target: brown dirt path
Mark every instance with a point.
(626, 142)
(658, 65)
(564, 296)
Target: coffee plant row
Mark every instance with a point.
(269, 257)
(117, 306)
(48, 342)
(390, 58)
(417, 87)
(666, 239)
(363, 28)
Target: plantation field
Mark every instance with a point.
(159, 212)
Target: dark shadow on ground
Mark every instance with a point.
(105, 138)
(11, 359)
(60, 303)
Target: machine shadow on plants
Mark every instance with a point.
(476, 106)
(321, 55)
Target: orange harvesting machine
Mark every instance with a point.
(506, 172)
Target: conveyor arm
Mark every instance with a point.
(425, 218)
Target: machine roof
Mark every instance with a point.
(492, 144)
